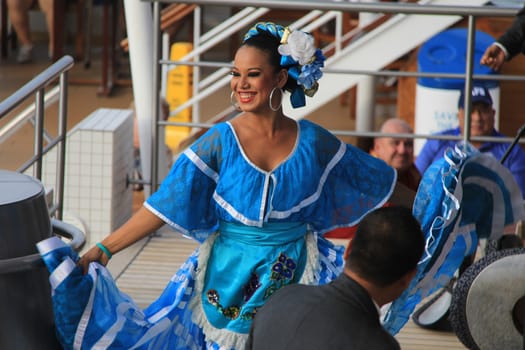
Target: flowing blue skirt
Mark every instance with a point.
(92, 313)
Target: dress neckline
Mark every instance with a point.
(255, 166)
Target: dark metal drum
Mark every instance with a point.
(26, 315)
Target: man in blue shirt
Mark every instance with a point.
(482, 124)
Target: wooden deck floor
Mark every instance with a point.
(154, 260)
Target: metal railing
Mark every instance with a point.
(218, 79)
(43, 142)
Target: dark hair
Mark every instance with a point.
(387, 245)
(269, 44)
(266, 43)
(303, 72)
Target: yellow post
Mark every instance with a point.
(178, 90)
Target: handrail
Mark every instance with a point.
(373, 7)
(218, 79)
(37, 87)
(225, 80)
(37, 83)
(369, 7)
(27, 115)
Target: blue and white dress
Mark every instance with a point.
(260, 230)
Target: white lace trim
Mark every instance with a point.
(312, 267)
(224, 337)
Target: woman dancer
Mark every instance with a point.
(258, 192)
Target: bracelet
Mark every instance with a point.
(104, 250)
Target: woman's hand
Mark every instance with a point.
(93, 254)
(142, 223)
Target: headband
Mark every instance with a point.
(298, 55)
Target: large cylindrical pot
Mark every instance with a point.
(26, 317)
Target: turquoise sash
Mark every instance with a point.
(246, 266)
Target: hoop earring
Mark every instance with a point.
(234, 103)
(271, 97)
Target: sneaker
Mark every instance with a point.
(25, 54)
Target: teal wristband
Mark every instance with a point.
(104, 250)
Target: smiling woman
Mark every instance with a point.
(297, 182)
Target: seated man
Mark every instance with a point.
(344, 314)
(482, 124)
(398, 152)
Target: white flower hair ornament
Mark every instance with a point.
(298, 55)
(297, 44)
(304, 62)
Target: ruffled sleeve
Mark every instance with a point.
(334, 184)
(359, 183)
(185, 198)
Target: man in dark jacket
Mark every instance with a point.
(344, 314)
(511, 43)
